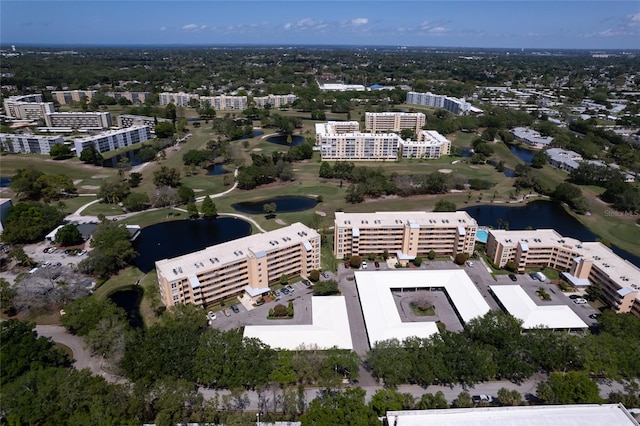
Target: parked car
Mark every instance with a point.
(46, 250)
(306, 282)
(211, 316)
(533, 276)
(513, 277)
(477, 399)
(235, 309)
(575, 296)
(595, 316)
(325, 275)
(364, 264)
(580, 301)
(58, 264)
(469, 263)
(276, 293)
(377, 264)
(284, 291)
(290, 288)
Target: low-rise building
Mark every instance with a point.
(128, 120)
(563, 159)
(582, 263)
(405, 235)
(243, 267)
(453, 105)
(275, 101)
(531, 137)
(66, 97)
(178, 99)
(113, 139)
(133, 97)
(225, 102)
(28, 143)
(377, 122)
(430, 144)
(27, 107)
(79, 120)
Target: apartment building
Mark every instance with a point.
(583, 263)
(79, 120)
(359, 146)
(430, 145)
(29, 144)
(224, 102)
(405, 235)
(563, 159)
(66, 97)
(128, 120)
(335, 127)
(453, 105)
(243, 267)
(376, 122)
(178, 99)
(133, 97)
(27, 107)
(275, 101)
(113, 139)
(531, 137)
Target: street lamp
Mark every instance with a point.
(258, 418)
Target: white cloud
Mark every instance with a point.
(287, 26)
(190, 27)
(163, 28)
(359, 21)
(305, 23)
(635, 18)
(203, 27)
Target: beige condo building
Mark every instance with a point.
(360, 146)
(430, 145)
(66, 97)
(404, 234)
(377, 122)
(583, 263)
(243, 267)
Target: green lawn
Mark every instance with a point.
(102, 208)
(126, 277)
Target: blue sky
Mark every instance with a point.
(511, 24)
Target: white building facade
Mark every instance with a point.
(29, 144)
(79, 120)
(113, 139)
(376, 122)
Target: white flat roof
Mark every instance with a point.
(329, 328)
(535, 415)
(520, 305)
(381, 314)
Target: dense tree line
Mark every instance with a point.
(34, 185)
(495, 347)
(112, 250)
(268, 168)
(29, 222)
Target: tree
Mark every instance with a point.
(60, 151)
(270, 209)
(91, 156)
(539, 159)
(69, 235)
(196, 157)
(431, 255)
(444, 206)
(326, 171)
(166, 176)
(462, 401)
(112, 250)
(134, 179)
(136, 201)
(430, 401)
(113, 191)
(511, 266)
(29, 222)
(7, 295)
(355, 261)
(208, 208)
(186, 194)
(460, 258)
(164, 129)
(325, 288)
(25, 183)
(192, 210)
(340, 408)
(19, 255)
(509, 397)
(417, 261)
(594, 291)
(314, 275)
(574, 387)
(389, 400)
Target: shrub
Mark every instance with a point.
(284, 280)
(280, 311)
(511, 266)
(314, 275)
(355, 262)
(460, 258)
(417, 261)
(431, 255)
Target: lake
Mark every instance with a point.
(282, 140)
(525, 155)
(216, 169)
(5, 182)
(170, 239)
(129, 299)
(540, 215)
(284, 204)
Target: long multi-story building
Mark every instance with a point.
(178, 99)
(29, 144)
(359, 146)
(405, 235)
(377, 122)
(133, 97)
(128, 120)
(335, 127)
(66, 97)
(531, 137)
(79, 120)
(583, 263)
(27, 107)
(275, 101)
(224, 102)
(430, 144)
(113, 139)
(453, 105)
(243, 267)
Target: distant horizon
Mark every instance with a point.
(479, 24)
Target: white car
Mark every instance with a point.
(469, 263)
(364, 265)
(211, 316)
(580, 301)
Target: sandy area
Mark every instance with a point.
(99, 176)
(280, 222)
(446, 171)
(90, 187)
(198, 190)
(256, 149)
(319, 213)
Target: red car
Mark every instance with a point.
(377, 264)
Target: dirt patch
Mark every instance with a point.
(198, 190)
(90, 187)
(77, 181)
(445, 171)
(280, 222)
(99, 176)
(256, 149)
(319, 213)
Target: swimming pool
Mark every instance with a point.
(482, 235)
